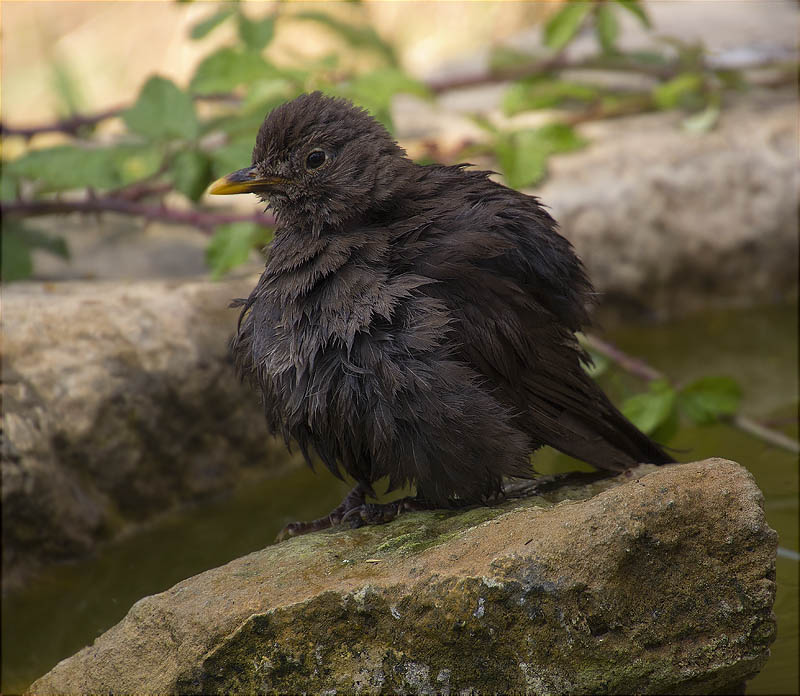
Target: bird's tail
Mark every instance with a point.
(609, 440)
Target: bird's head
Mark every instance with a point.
(321, 160)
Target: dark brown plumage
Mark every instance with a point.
(415, 322)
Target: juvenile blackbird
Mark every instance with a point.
(414, 322)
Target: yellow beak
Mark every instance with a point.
(244, 181)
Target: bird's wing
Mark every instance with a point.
(518, 293)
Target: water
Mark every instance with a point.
(71, 605)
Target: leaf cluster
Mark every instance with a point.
(178, 139)
(658, 411)
(683, 79)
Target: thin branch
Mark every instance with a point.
(635, 366)
(69, 125)
(204, 219)
(73, 124)
(763, 433)
(554, 63)
(641, 369)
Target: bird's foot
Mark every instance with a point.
(380, 513)
(355, 511)
(352, 501)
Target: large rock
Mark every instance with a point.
(661, 582)
(670, 222)
(118, 402)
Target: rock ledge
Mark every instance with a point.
(661, 581)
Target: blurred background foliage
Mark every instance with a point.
(173, 139)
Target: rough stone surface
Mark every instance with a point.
(661, 581)
(670, 222)
(118, 401)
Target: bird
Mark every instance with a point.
(415, 323)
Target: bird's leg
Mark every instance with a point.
(380, 513)
(354, 500)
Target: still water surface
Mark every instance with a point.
(72, 604)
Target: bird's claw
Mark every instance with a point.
(356, 513)
(372, 513)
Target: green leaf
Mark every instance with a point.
(256, 34)
(523, 155)
(522, 159)
(191, 172)
(66, 167)
(9, 187)
(541, 92)
(230, 246)
(653, 408)
(708, 399)
(703, 121)
(563, 26)
(206, 26)
(636, 9)
(668, 428)
(18, 242)
(162, 111)
(17, 262)
(362, 37)
(228, 68)
(676, 91)
(559, 137)
(134, 162)
(606, 28)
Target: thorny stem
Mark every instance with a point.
(641, 369)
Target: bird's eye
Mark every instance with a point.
(315, 159)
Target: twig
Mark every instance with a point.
(204, 219)
(634, 366)
(73, 124)
(641, 369)
(763, 433)
(69, 125)
(557, 62)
